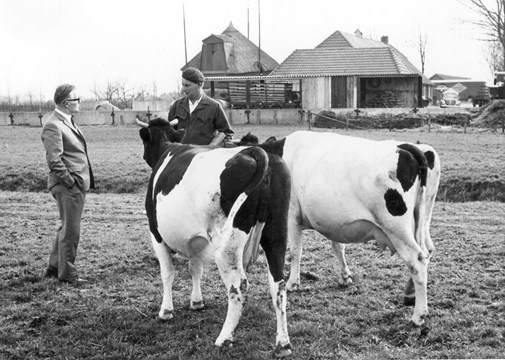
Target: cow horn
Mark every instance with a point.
(174, 122)
(141, 123)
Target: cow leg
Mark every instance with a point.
(409, 295)
(417, 263)
(167, 277)
(196, 271)
(275, 251)
(344, 278)
(295, 249)
(229, 262)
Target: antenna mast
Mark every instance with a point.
(259, 38)
(184, 25)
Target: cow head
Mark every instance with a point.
(156, 135)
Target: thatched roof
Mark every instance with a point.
(231, 53)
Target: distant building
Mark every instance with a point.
(466, 88)
(344, 71)
(97, 105)
(349, 71)
(236, 72)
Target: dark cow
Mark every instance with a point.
(353, 190)
(207, 203)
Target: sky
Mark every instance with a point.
(89, 43)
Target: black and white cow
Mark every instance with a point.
(352, 190)
(215, 204)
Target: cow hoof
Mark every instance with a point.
(344, 282)
(409, 300)
(292, 287)
(166, 315)
(197, 305)
(224, 344)
(282, 351)
(419, 321)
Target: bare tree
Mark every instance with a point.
(492, 21)
(495, 56)
(120, 94)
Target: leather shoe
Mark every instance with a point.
(76, 282)
(50, 272)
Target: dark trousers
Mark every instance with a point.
(70, 205)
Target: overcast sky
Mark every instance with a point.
(90, 42)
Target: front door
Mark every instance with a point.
(338, 92)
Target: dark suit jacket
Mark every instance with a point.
(200, 126)
(66, 154)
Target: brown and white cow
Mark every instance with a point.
(215, 204)
(352, 190)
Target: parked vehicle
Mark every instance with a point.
(483, 97)
(450, 98)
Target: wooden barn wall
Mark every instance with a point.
(388, 92)
(351, 83)
(316, 93)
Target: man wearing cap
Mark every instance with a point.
(200, 117)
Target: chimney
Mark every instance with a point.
(358, 33)
(385, 39)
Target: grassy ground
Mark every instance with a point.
(472, 163)
(114, 317)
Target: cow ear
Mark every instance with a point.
(145, 135)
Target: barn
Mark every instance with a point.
(349, 71)
(236, 71)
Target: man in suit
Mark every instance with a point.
(201, 118)
(70, 177)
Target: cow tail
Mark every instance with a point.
(420, 206)
(261, 158)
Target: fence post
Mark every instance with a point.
(11, 116)
(247, 113)
(429, 123)
(309, 117)
(148, 114)
(466, 122)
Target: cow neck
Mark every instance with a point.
(161, 146)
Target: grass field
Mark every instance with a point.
(472, 164)
(114, 317)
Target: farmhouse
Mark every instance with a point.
(343, 71)
(350, 71)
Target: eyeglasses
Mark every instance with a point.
(76, 99)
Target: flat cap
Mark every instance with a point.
(193, 74)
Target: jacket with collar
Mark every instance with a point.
(200, 126)
(66, 154)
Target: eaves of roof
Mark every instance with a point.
(376, 61)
